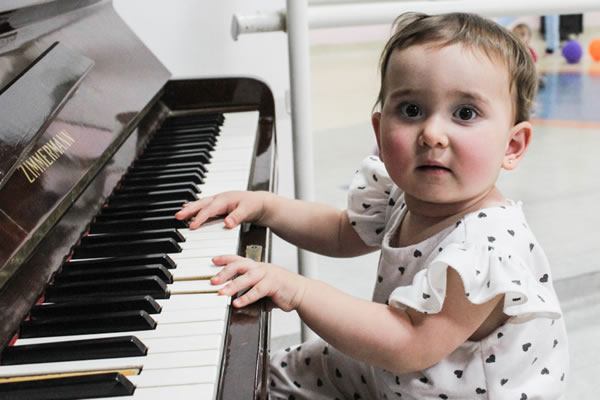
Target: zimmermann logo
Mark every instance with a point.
(45, 156)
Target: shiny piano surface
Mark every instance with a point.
(80, 98)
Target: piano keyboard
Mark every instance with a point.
(156, 327)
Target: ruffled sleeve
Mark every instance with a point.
(368, 199)
(485, 272)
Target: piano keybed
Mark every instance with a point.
(132, 314)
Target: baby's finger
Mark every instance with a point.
(225, 259)
(244, 281)
(227, 274)
(232, 266)
(226, 205)
(188, 210)
(237, 216)
(256, 293)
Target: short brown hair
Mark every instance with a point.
(474, 32)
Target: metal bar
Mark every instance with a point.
(298, 48)
(373, 13)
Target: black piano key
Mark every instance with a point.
(170, 140)
(115, 249)
(87, 274)
(205, 117)
(202, 127)
(88, 324)
(131, 179)
(130, 225)
(111, 384)
(201, 157)
(153, 197)
(171, 233)
(181, 142)
(167, 167)
(132, 188)
(187, 130)
(74, 350)
(157, 151)
(157, 205)
(114, 215)
(145, 285)
(161, 259)
(162, 147)
(196, 170)
(95, 306)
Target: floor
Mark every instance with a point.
(559, 182)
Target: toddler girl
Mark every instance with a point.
(463, 306)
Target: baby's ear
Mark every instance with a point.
(376, 122)
(520, 136)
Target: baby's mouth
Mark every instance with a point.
(433, 168)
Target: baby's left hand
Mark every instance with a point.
(284, 288)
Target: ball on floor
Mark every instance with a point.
(572, 51)
(595, 49)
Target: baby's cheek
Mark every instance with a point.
(479, 163)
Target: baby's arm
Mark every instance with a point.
(396, 340)
(316, 227)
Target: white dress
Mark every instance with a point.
(494, 252)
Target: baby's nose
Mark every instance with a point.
(434, 133)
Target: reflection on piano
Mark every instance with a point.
(103, 293)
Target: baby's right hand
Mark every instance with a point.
(238, 207)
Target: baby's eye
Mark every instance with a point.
(410, 110)
(466, 113)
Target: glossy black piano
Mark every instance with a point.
(98, 147)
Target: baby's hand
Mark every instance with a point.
(284, 288)
(237, 206)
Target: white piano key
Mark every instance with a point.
(204, 262)
(212, 240)
(194, 273)
(213, 190)
(151, 361)
(194, 301)
(176, 376)
(161, 331)
(198, 286)
(198, 391)
(202, 233)
(206, 248)
(202, 253)
(191, 315)
(184, 343)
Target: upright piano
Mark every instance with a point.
(103, 293)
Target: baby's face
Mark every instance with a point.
(445, 123)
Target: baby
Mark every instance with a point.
(463, 305)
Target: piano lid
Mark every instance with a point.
(74, 83)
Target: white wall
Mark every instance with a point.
(192, 38)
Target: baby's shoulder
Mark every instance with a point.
(496, 231)
(501, 226)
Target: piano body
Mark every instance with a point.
(97, 148)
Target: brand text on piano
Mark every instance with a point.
(40, 160)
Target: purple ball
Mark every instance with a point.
(572, 51)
